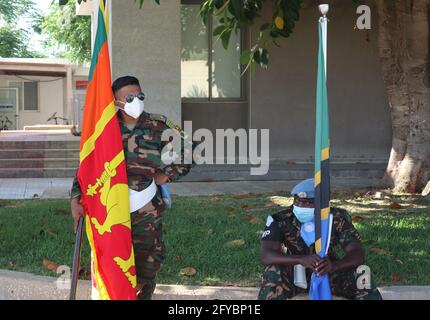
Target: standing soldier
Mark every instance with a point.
(141, 135)
(288, 241)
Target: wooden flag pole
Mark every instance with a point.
(76, 260)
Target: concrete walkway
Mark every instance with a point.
(59, 188)
(25, 286)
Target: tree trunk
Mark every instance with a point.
(404, 32)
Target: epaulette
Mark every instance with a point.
(158, 117)
(168, 122)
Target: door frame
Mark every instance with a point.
(16, 104)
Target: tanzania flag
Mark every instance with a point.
(320, 286)
(103, 180)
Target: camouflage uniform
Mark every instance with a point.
(142, 148)
(278, 280)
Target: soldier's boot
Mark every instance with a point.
(147, 290)
(344, 284)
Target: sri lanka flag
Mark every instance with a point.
(320, 286)
(103, 180)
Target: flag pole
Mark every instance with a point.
(76, 260)
(320, 284)
(324, 8)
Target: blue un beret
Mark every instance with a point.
(305, 189)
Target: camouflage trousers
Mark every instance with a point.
(278, 284)
(149, 250)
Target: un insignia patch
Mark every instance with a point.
(269, 221)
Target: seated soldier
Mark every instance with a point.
(288, 240)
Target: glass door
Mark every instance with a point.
(8, 108)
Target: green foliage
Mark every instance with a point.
(11, 10)
(69, 33)
(13, 40)
(13, 43)
(242, 13)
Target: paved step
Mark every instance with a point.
(45, 163)
(38, 173)
(59, 188)
(39, 153)
(25, 145)
(283, 171)
(26, 286)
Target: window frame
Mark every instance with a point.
(243, 78)
(23, 95)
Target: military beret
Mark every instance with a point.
(304, 189)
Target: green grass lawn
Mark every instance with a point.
(200, 232)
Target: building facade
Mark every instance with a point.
(187, 75)
(40, 92)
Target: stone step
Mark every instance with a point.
(25, 145)
(39, 153)
(38, 173)
(282, 172)
(50, 163)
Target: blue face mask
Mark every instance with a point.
(303, 214)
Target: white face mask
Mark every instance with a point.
(135, 108)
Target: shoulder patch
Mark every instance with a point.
(158, 117)
(269, 221)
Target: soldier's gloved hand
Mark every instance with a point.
(310, 261)
(77, 211)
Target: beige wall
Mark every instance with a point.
(146, 43)
(283, 97)
(50, 100)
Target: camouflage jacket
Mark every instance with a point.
(142, 148)
(285, 228)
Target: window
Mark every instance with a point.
(31, 96)
(208, 71)
(28, 95)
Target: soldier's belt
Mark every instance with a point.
(139, 199)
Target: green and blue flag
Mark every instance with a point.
(320, 285)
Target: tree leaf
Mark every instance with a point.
(252, 219)
(218, 30)
(225, 38)
(394, 205)
(60, 212)
(246, 56)
(356, 218)
(270, 205)
(235, 243)
(50, 265)
(395, 277)
(378, 251)
(188, 271)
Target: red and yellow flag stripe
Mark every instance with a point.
(103, 180)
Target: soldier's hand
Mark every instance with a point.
(77, 211)
(325, 266)
(160, 178)
(310, 261)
